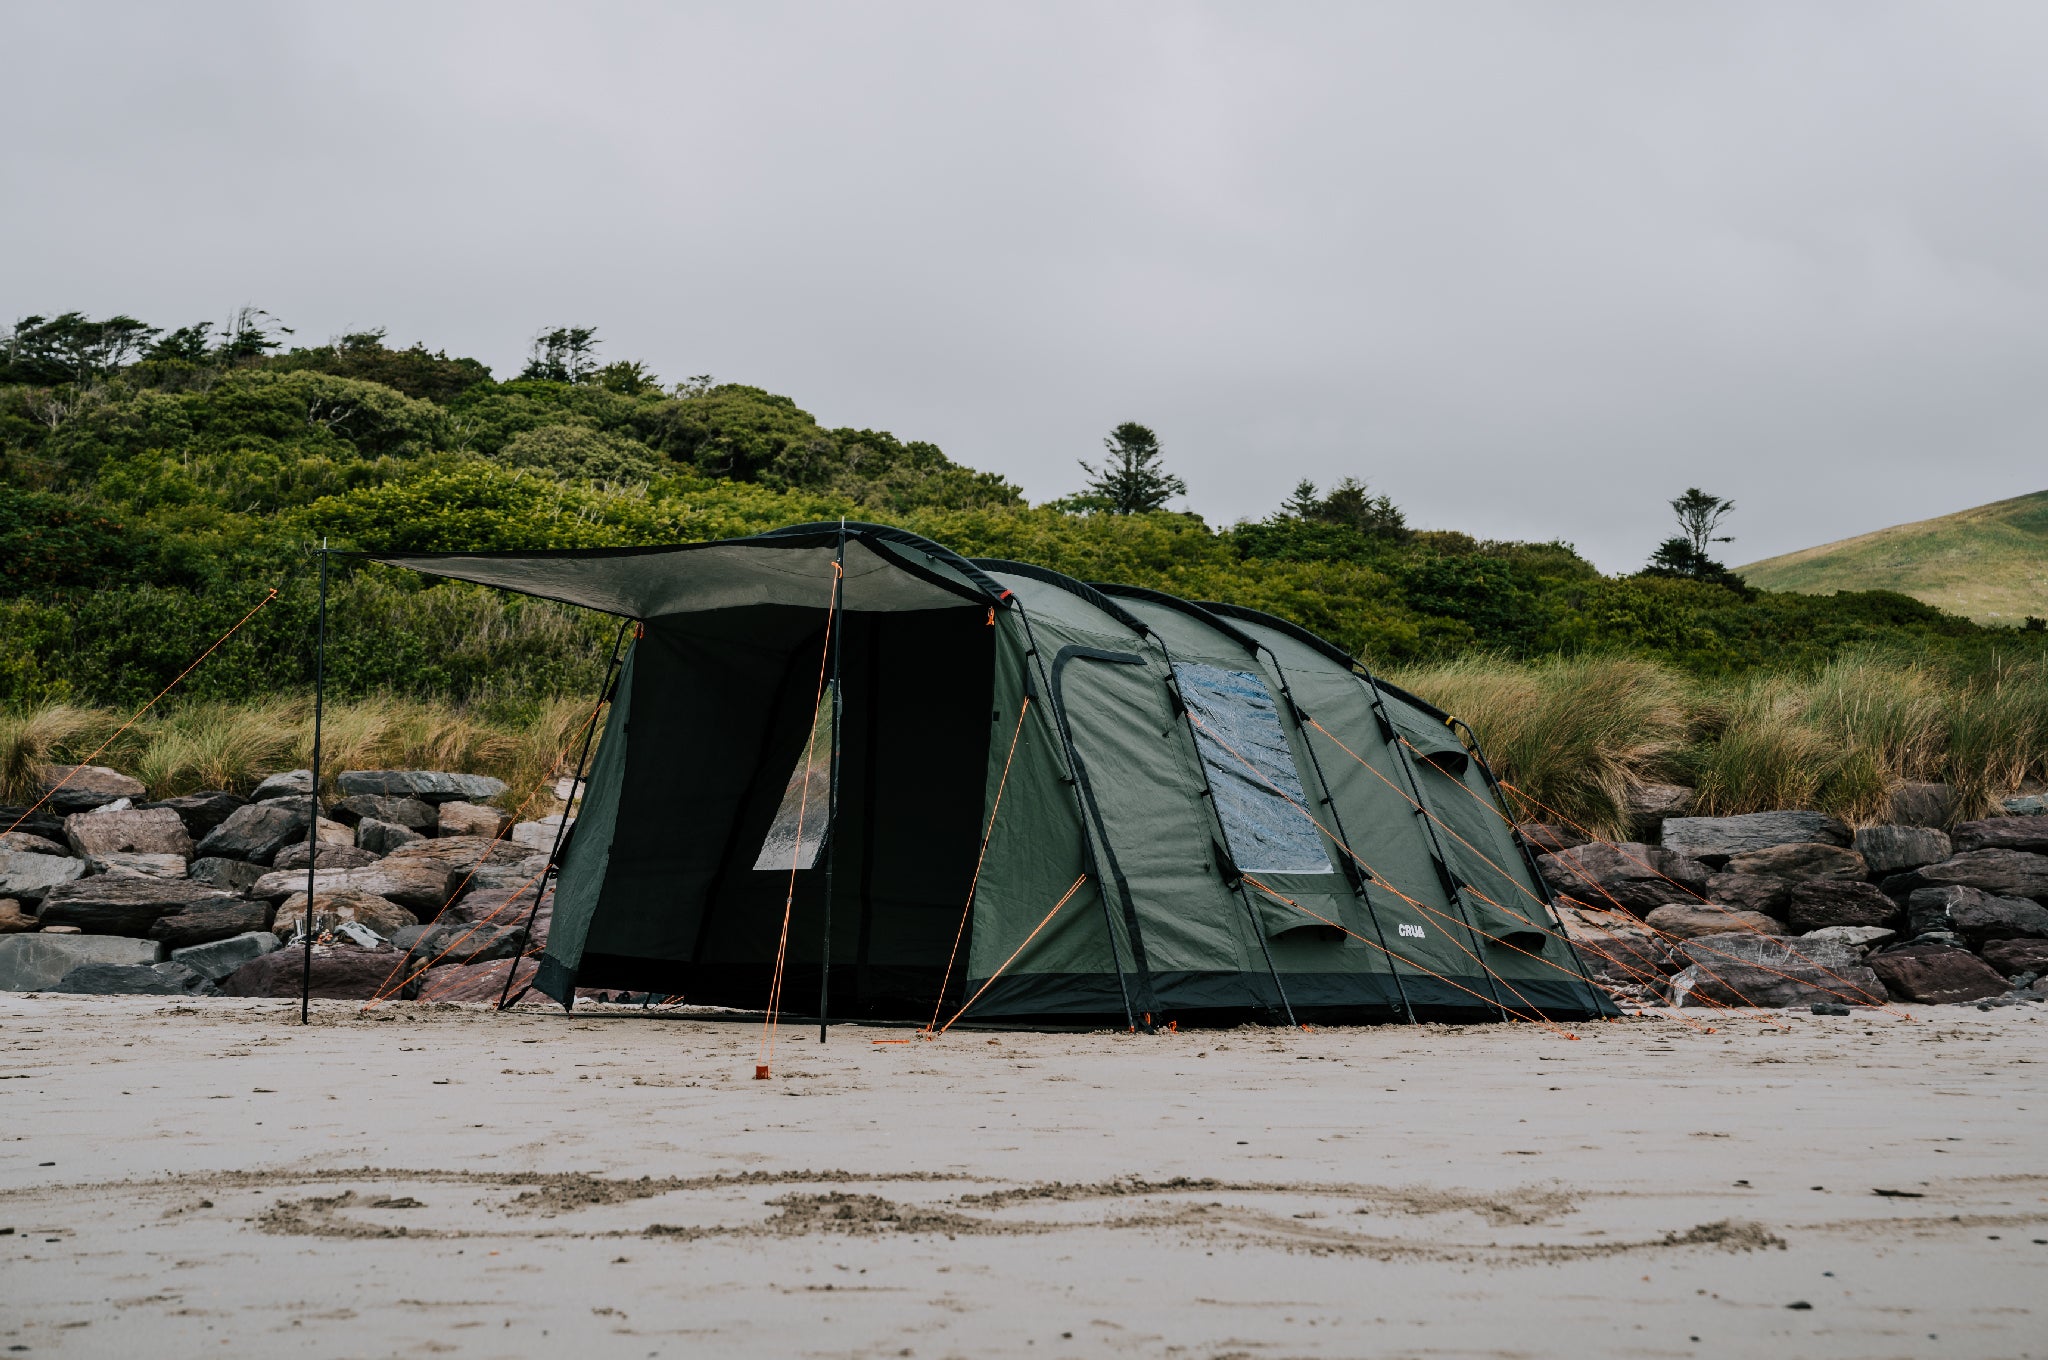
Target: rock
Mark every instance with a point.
(1633, 875)
(431, 786)
(1807, 860)
(229, 875)
(145, 866)
(524, 875)
(2028, 832)
(329, 856)
(256, 832)
(283, 785)
(331, 908)
(1936, 974)
(34, 963)
(465, 855)
(467, 819)
(1821, 903)
(479, 983)
(1767, 970)
(381, 838)
(1892, 849)
(133, 979)
(1920, 804)
(216, 959)
(541, 835)
(80, 788)
(205, 924)
(2013, 957)
(2005, 873)
(410, 813)
(14, 921)
(29, 876)
(2025, 805)
(106, 905)
(34, 822)
(1715, 840)
(28, 843)
(202, 812)
(421, 887)
(1855, 937)
(1657, 800)
(451, 943)
(1975, 915)
(340, 973)
(1618, 950)
(1750, 892)
(148, 831)
(1684, 922)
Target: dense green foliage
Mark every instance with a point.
(154, 487)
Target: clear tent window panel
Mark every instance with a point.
(1251, 769)
(802, 819)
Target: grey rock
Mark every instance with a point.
(1855, 937)
(1715, 840)
(458, 942)
(381, 837)
(28, 843)
(106, 905)
(329, 856)
(333, 908)
(257, 832)
(35, 822)
(1920, 804)
(431, 786)
(1809, 860)
(283, 785)
(209, 922)
(1976, 915)
(2025, 805)
(523, 874)
(202, 812)
(1819, 904)
(406, 812)
(148, 831)
(541, 835)
(2005, 873)
(1765, 970)
(218, 958)
(502, 906)
(34, 963)
(229, 875)
(80, 788)
(1893, 849)
(133, 979)
(1657, 800)
(1751, 892)
(1630, 874)
(30, 876)
(2025, 832)
(145, 866)
(1933, 973)
(420, 887)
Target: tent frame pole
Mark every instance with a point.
(604, 689)
(313, 798)
(838, 626)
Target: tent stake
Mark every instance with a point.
(313, 798)
(832, 800)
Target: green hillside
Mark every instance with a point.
(1989, 564)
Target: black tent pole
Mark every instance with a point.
(838, 627)
(313, 797)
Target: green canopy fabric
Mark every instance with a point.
(1058, 801)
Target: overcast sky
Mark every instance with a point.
(1530, 268)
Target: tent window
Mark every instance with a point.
(1268, 833)
(798, 831)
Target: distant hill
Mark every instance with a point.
(1989, 563)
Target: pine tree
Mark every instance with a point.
(1132, 480)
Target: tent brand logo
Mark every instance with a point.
(1411, 932)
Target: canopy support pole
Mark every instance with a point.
(604, 687)
(832, 799)
(313, 797)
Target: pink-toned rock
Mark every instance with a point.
(473, 983)
(143, 831)
(468, 819)
(340, 973)
(1936, 973)
(1684, 922)
(330, 909)
(1810, 860)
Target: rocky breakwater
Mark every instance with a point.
(1796, 908)
(419, 887)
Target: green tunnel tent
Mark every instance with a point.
(1198, 770)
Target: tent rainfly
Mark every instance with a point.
(981, 781)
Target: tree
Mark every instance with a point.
(1304, 503)
(564, 354)
(1132, 480)
(70, 348)
(1350, 505)
(1698, 516)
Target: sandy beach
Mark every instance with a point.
(186, 1178)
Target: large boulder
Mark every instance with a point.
(1648, 806)
(1860, 938)
(328, 856)
(1767, 970)
(1632, 875)
(456, 942)
(15, 921)
(1920, 804)
(148, 831)
(2004, 833)
(503, 905)
(1976, 915)
(28, 843)
(478, 983)
(468, 819)
(34, 963)
(2013, 957)
(284, 785)
(229, 875)
(541, 835)
(1618, 950)
(1821, 903)
(257, 832)
(331, 909)
(410, 813)
(145, 866)
(35, 822)
(1936, 973)
(420, 887)
(1683, 921)
(1805, 860)
(133, 979)
(202, 812)
(209, 922)
(80, 788)
(28, 877)
(429, 786)
(1895, 849)
(339, 973)
(2025, 805)
(381, 837)
(1751, 892)
(1715, 840)
(106, 905)
(215, 959)
(2004, 873)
